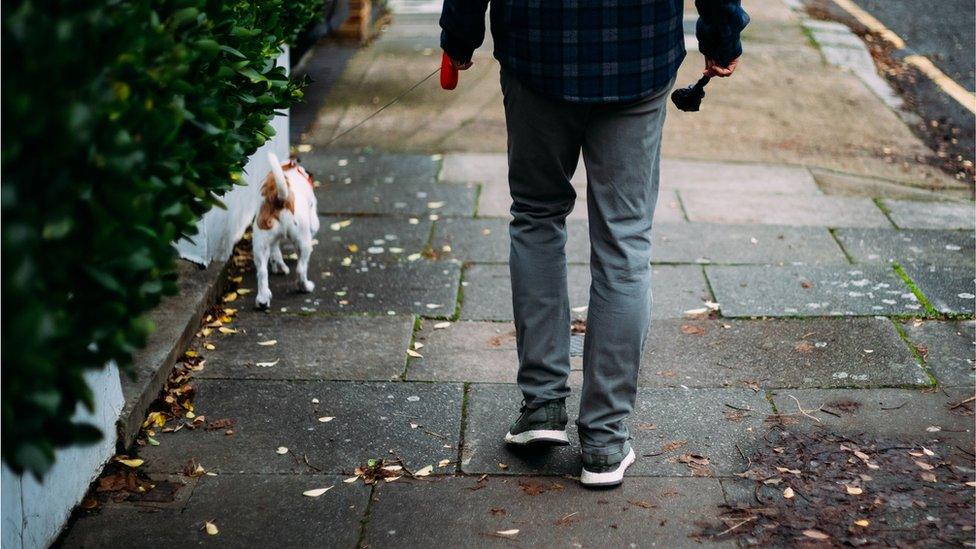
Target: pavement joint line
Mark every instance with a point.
(364, 522)
(929, 309)
(465, 401)
(913, 349)
(886, 211)
(417, 326)
(949, 86)
(681, 204)
(843, 250)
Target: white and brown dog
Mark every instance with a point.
(288, 211)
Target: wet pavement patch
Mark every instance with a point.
(820, 488)
(368, 420)
(896, 413)
(231, 503)
(676, 432)
(951, 290)
(269, 346)
(387, 238)
(743, 244)
(833, 352)
(539, 512)
(909, 246)
(426, 288)
(948, 349)
(362, 168)
(816, 290)
(675, 289)
(404, 198)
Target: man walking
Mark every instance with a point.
(590, 77)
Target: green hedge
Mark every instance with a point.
(123, 123)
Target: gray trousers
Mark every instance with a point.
(621, 147)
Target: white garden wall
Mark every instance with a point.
(33, 513)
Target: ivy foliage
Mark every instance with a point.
(123, 122)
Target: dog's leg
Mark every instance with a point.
(304, 253)
(262, 252)
(278, 265)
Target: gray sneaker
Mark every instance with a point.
(546, 425)
(606, 470)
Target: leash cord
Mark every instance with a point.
(383, 108)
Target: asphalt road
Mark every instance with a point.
(945, 32)
(942, 30)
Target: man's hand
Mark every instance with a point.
(713, 69)
(461, 66)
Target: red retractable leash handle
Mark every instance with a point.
(449, 73)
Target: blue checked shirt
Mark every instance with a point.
(592, 51)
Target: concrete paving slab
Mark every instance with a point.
(734, 177)
(743, 244)
(824, 290)
(676, 289)
(913, 214)
(310, 347)
(370, 419)
(486, 240)
(778, 209)
(859, 352)
(466, 351)
(897, 413)
(367, 168)
(479, 352)
(405, 198)
(660, 418)
(427, 288)
(546, 512)
(374, 238)
(951, 290)
(488, 291)
(232, 503)
(909, 246)
(949, 349)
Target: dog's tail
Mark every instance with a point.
(281, 183)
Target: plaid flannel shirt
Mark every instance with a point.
(592, 51)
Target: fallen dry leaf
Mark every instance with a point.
(815, 534)
(268, 343)
(788, 493)
(688, 329)
(268, 364)
(325, 419)
(414, 354)
(281, 450)
(211, 528)
(508, 533)
(854, 490)
(425, 471)
(863, 523)
(441, 325)
(316, 492)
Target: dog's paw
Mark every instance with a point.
(306, 286)
(262, 301)
(279, 268)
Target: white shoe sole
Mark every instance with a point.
(550, 436)
(608, 478)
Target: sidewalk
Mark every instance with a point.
(844, 313)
